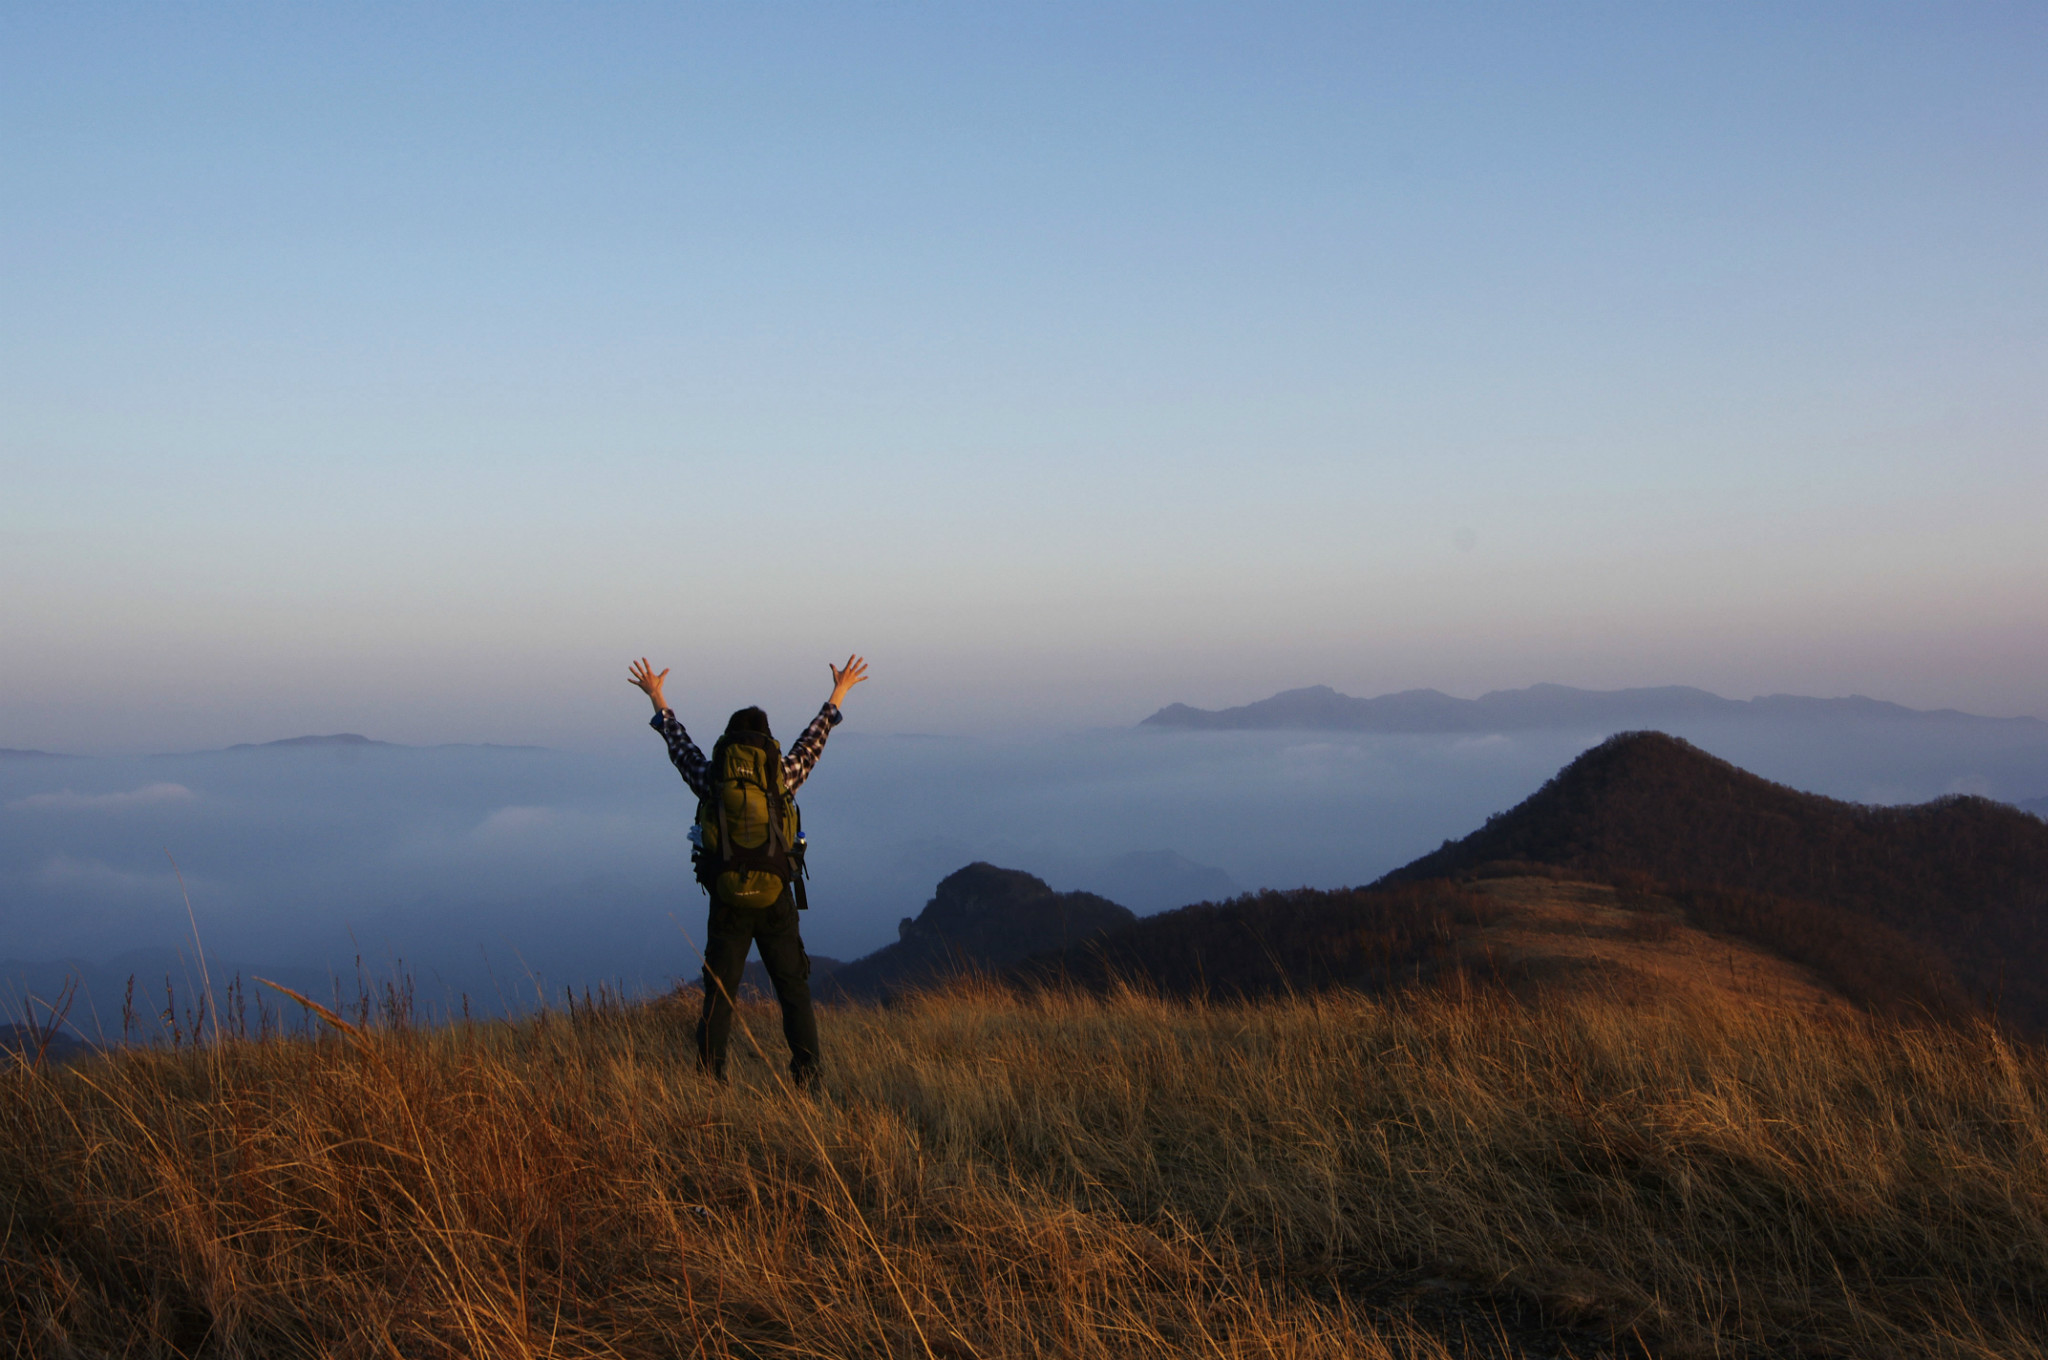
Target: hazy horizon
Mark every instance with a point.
(476, 868)
(711, 717)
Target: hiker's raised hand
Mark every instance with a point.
(642, 677)
(855, 671)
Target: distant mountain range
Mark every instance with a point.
(1321, 708)
(355, 741)
(1540, 706)
(344, 740)
(336, 739)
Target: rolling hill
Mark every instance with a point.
(1645, 863)
(1956, 887)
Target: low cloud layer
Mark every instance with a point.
(65, 800)
(504, 873)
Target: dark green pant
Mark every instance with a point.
(731, 932)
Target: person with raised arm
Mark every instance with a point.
(749, 859)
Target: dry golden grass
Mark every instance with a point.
(989, 1175)
(1561, 934)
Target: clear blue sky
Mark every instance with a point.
(407, 369)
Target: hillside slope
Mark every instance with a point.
(1648, 867)
(1536, 933)
(1955, 891)
(999, 1176)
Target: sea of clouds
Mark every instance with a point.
(505, 874)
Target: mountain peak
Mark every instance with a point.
(1962, 877)
(981, 916)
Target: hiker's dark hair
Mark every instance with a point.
(749, 720)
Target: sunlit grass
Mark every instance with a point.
(993, 1175)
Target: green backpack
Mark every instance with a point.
(749, 832)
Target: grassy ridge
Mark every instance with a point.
(1943, 902)
(993, 1175)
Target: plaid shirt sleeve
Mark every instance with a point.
(695, 768)
(684, 753)
(797, 765)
